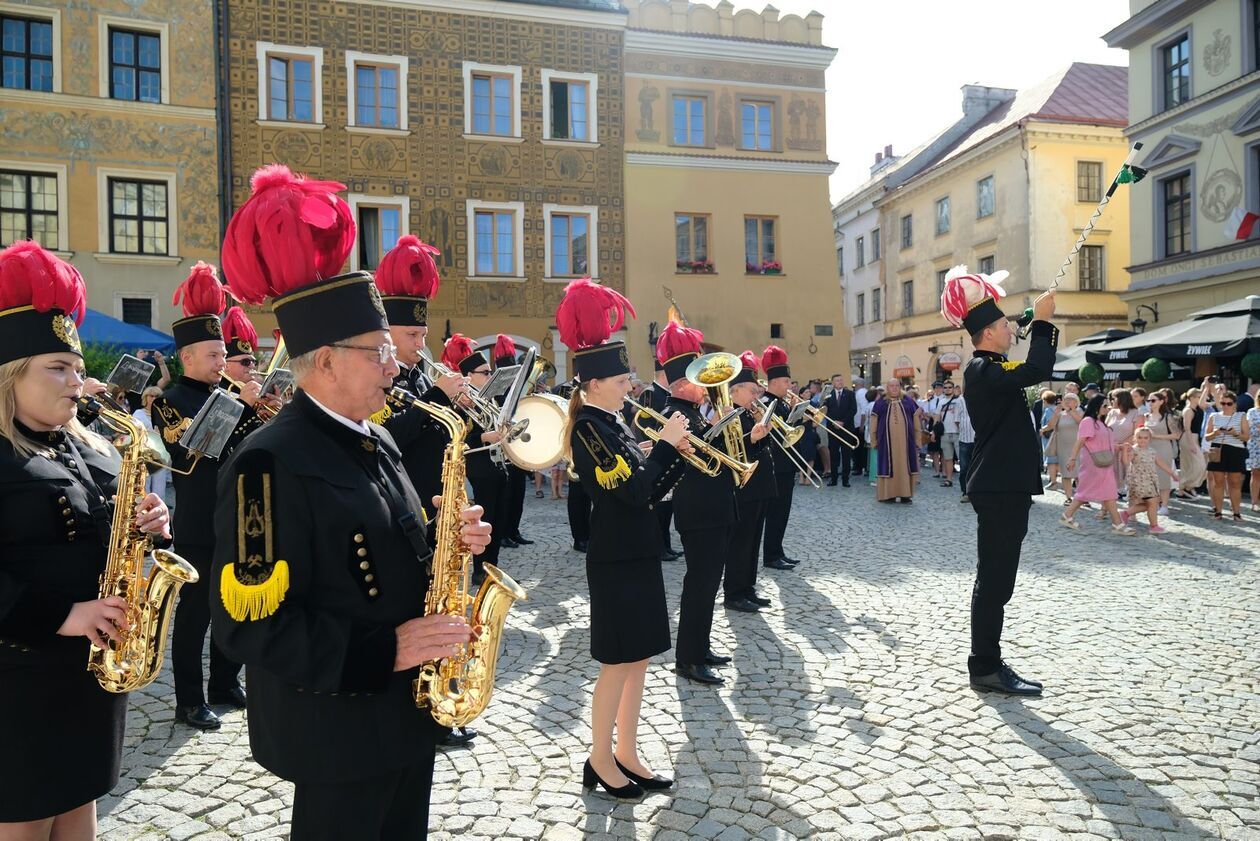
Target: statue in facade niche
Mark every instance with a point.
(647, 119)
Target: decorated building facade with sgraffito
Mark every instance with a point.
(490, 128)
(107, 144)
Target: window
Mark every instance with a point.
(690, 120)
(757, 126)
(875, 245)
(569, 107)
(138, 217)
(570, 240)
(691, 242)
(986, 265)
(379, 230)
(135, 65)
(942, 216)
(1175, 64)
(26, 53)
(1255, 34)
(840, 260)
(1089, 181)
(907, 231)
(290, 89)
(29, 208)
(875, 294)
(984, 197)
(907, 297)
(1177, 214)
(860, 248)
(492, 100)
(860, 309)
(760, 255)
(378, 90)
(138, 311)
(940, 281)
(1090, 269)
(776, 330)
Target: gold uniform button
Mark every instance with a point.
(369, 578)
(358, 538)
(362, 553)
(364, 565)
(374, 592)
(66, 511)
(63, 501)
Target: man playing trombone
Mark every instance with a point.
(753, 498)
(774, 362)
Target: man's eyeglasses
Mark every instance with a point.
(482, 371)
(247, 362)
(384, 353)
(1227, 402)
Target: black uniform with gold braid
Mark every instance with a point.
(740, 579)
(774, 362)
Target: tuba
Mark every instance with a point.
(136, 658)
(714, 371)
(457, 689)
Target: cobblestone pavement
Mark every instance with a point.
(846, 713)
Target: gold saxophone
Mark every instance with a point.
(457, 689)
(136, 658)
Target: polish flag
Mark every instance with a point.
(1241, 224)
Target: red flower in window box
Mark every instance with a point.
(772, 267)
(695, 266)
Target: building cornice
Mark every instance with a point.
(665, 159)
(138, 109)
(1191, 106)
(1151, 21)
(558, 15)
(693, 46)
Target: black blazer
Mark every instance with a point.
(842, 406)
(762, 485)
(1006, 457)
(701, 501)
(325, 704)
(783, 464)
(421, 439)
(624, 486)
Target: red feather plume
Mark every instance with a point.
(773, 355)
(292, 232)
(201, 291)
(589, 313)
(30, 275)
(750, 360)
(676, 340)
(504, 346)
(236, 325)
(409, 269)
(458, 348)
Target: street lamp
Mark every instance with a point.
(1139, 323)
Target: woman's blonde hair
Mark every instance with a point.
(1072, 395)
(151, 391)
(576, 401)
(10, 373)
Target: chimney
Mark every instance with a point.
(979, 100)
(888, 151)
(879, 157)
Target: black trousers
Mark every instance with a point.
(579, 504)
(191, 622)
(778, 510)
(516, 481)
(841, 461)
(490, 491)
(664, 514)
(1002, 523)
(391, 807)
(741, 561)
(706, 551)
(859, 456)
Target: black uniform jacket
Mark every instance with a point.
(193, 521)
(701, 501)
(421, 439)
(842, 406)
(1006, 457)
(55, 512)
(320, 556)
(783, 464)
(762, 485)
(480, 465)
(624, 486)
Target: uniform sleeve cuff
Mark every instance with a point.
(36, 614)
(369, 662)
(1042, 328)
(436, 395)
(663, 453)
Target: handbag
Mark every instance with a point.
(1101, 458)
(1213, 455)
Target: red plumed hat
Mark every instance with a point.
(202, 298)
(774, 361)
(460, 354)
(587, 316)
(504, 350)
(408, 279)
(752, 365)
(676, 347)
(238, 333)
(42, 299)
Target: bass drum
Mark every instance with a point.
(547, 415)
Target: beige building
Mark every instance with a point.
(1194, 104)
(1013, 192)
(108, 150)
(726, 181)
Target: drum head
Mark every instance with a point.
(547, 415)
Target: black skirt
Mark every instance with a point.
(1233, 460)
(63, 736)
(629, 620)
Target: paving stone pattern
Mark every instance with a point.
(846, 714)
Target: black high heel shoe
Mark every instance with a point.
(629, 791)
(653, 783)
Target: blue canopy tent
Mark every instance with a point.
(101, 329)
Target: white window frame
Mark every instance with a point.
(264, 48)
(471, 67)
(402, 63)
(356, 199)
(63, 196)
(590, 211)
(162, 30)
(54, 17)
(103, 253)
(592, 105)
(149, 296)
(518, 232)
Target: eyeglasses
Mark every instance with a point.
(483, 371)
(1227, 402)
(384, 353)
(247, 362)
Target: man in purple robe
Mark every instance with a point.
(896, 419)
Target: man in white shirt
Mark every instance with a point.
(863, 410)
(948, 414)
(966, 440)
(931, 415)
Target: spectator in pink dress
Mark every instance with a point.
(1095, 482)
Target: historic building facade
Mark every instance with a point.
(726, 181)
(1194, 104)
(493, 132)
(108, 144)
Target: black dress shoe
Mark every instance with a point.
(670, 550)
(653, 783)
(522, 540)
(629, 791)
(792, 561)
(845, 484)
(509, 543)
(699, 673)
(742, 605)
(667, 558)
(1005, 680)
(759, 601)
(579, 545)
(712, 659)
(200, 717)
(778, 563)
(832, 483)
(457, 736)
(234, 697)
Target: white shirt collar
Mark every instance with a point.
(360, 427)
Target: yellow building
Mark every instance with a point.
(726, 181)
(1013, 193)
(1195, 106)
(108, 150)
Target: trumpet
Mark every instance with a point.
(704, 457)
(714, 371)
(485, 413)
(262, 406)
(785, 438)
